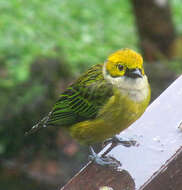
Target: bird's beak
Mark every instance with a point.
(133, 73)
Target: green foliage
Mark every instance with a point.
(84, 31)
(174, 65)
(176, 6)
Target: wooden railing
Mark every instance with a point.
(155, 164)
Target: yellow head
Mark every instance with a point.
(124, 70)
(125, 62)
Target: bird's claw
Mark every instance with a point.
(103, 161)
(118, 140)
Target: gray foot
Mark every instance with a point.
(121, 141)
(103, 161)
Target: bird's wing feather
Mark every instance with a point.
(82, 100)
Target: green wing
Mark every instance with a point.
(82, 100)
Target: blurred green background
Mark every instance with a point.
(44, 45)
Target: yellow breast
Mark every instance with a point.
(118, 113)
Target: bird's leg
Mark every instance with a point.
(103, 161)
(121, 141)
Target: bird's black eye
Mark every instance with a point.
(120, 67)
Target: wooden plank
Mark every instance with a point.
(169, 177)
(95, 177)
(155, 164)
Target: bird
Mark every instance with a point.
(103, 101)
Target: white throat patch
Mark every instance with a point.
(137, 89)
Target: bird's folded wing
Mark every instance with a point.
(82, 100)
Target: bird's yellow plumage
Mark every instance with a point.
(117, 114)
(129, 59)
(103, 101)
(121, 109)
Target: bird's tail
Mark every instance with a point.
(39, 125)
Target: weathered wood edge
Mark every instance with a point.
(169, 176)
(94, 177)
